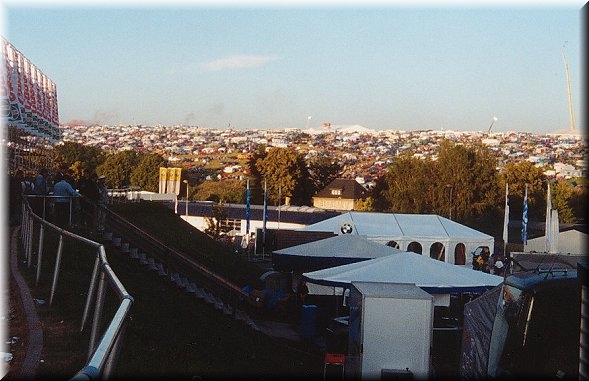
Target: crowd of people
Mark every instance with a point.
(489, 263)
(60, 197)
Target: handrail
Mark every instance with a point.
(238, 301)
(182, 257)
(103, 353)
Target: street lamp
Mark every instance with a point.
(450, 186)
(186, 182)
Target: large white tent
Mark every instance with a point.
(434, 277)
(407, 231)
(329, 252)
(569, 241)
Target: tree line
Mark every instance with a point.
(462, 181)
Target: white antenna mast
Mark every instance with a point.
(492, 122)
(566, 68)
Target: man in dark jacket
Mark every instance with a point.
(90, 194)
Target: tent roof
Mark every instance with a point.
(433, 276)
(569, 241)
(345, 245)
(396, 225)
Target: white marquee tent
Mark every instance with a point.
(435, 277)
(569, 241)
(329, 252)
(405, 230)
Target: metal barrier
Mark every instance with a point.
(180, 263)
(103, 348)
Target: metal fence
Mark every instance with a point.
(176, 263)
(105, 337)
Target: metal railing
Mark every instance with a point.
(103, 347)
(181, 263)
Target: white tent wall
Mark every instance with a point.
(570, 241)
(403, 229)
(450, 245)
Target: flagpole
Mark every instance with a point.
(265, 217)
(247, 207)
(525, 219)
(547, 229)
(247, 219)
(279, 198)
(506, 220)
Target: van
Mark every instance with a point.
(537, 326)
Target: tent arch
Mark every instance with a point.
(405, 228)
(394, 244)
(415, 247)
(437, 251)
(460, 254)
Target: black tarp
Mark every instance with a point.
(479, 315)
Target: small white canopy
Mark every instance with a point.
(341, 246)
(329, 252)
(431, 275)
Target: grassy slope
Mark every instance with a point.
(161, 222)
(172, 333)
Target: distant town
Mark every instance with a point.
(365, 153)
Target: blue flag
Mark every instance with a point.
(247, 207)
(265, 217)
(525, 218)
(506, 216)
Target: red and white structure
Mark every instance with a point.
(28, 96)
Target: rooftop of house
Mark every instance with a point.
(343, 188)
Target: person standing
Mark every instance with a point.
(302, 292)
(102, 201)
(64, 201)
(68, 175)
(89, 189)
(39, 201)
(16, 191)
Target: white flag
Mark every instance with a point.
(506, 218)
(554, 230)
(548, 225)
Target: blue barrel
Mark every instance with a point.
(308, 321)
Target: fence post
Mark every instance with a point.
(90, 291)
(39, 253)
(30, 243)
(56, 271)
(97, 313)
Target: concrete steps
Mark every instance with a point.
(180, 280)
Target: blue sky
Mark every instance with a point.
(384, 65)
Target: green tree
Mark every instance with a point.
(579, 199)
(118, 168)
(517, 175)
(284, 172)
(404, 187)
(225, 191)
(562, 196)
(214, 228)
(366, 205)
(463, 180)
(469, 173)
(146, 174)
(78, 156)
(322, 171)
(256, 182)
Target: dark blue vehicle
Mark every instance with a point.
(536, 327)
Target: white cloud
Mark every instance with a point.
(237, 62)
